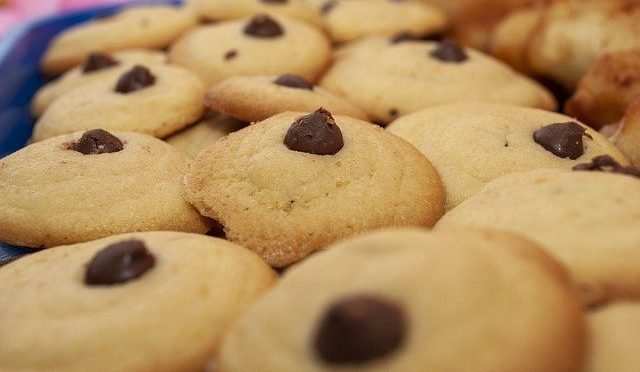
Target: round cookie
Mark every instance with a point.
(255, 98)
(294, 183)
(257, 46)
(157, 100)
(509, 40)
(195, 138)
(53, 194)
(231, 9)
(606, 89)
(627, 135)
(390, 78)
(156, 301)
(151, 26)
(97, 66)
(472, 143)
(573, 34)
(381, 17)
(589, 221)
(411, 301)
(614, 338)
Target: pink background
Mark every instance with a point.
(18, 11)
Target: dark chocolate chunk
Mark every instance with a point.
(231, 54)
(139, 77)
(316, 133)
(564, 140)
(393, 113)
(605, 163)
(119, 263)
(98, 61)
(328, 6)
(98, 141)
(217, 230)
(358, 329)
(263, 26)
(293, 81)
(449, 51)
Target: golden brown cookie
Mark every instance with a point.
(255, 98)
(210, 129)
(409, 301)
(627, 135)
(296, 182)
(85, 186)
(606, 89)
(151, 26)
(156, 301)
(219, 10)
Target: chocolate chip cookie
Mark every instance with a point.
(157, 100)
(232, 9)
(137, 302)
(88, 185)
(296, 182)
(472, 143)
(259, 45)
(412, 301)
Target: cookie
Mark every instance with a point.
(606, 89)
(218, 10)
(413, 301)
(588, 220)
(509, 40)
(558, 50)
(137, 302)
(627, 136)
(390, 78)
(53, 194)
(152, 26)
(255, 98)
(381, 17)
(97, 66)
(212, 128)
(296, 182)
(256, 46)
(157, 100)
(474, 22)
(472, 143)
(613, 338)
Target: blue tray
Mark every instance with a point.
(20, 53)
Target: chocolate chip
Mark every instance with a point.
(98, 61)
(605, 163)
(564, 140)
(316, 133)
(328, 6)
(293, 81)
(393, 113)
(402, 37)
(230, 54)
(217, 230)
(449, 51)
(119, 263)
(358, 329)
(263, 26)
(139, 77)
(97, 141)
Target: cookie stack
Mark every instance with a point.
(301, 185)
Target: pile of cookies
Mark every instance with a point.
(324, 185)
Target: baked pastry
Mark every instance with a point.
(473, 143)
(88, 185)
(219, 10)
(588, 220)
(211, 128)
(157, 100)
(393, 77)
(413, 301)
(294, 183)
(151, 26)
(158, 301)
(255, 98)
(255, 46)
